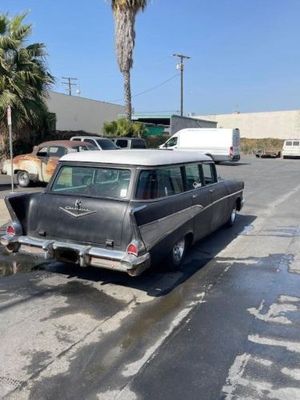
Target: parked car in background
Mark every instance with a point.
(291, 148)
(267, 153)
(130, 143)
(101, 143)
(219, 144)
(123, 210)
(39, 165)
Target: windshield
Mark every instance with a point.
(92, 181)
(106, 144)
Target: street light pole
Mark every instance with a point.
(181, 67)
(9, 123)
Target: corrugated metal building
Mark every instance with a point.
(74, 113)
(259, 125)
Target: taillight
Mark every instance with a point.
(10, 230)
(132, 249)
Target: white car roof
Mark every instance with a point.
(89, 137)
(137, 157)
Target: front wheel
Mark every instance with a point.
(23, 179)
(177, 254)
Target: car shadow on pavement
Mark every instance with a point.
(157, 281)
(234, 164)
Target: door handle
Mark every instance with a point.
(211, 190)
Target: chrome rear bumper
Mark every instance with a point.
(85, 255)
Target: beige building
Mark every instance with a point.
(74, 113)
(258, 125)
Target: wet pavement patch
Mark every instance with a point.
(39, 360)
(13, 264)
(84, 298)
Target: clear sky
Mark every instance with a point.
(245, 54)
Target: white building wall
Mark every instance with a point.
(74, 113)
(273, 124)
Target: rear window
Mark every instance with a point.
(81, 147)
(92, 181)
(162, 182)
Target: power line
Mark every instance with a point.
(150, 89)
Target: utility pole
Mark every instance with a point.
(69, 83)
(180, 66)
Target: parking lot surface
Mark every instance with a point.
(226, 326)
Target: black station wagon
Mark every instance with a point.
(123, 210)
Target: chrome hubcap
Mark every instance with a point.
(178, 250)
(233, 216)
(23, 178)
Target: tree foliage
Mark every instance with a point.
(24, 80)
(123, 127)
(125, 12)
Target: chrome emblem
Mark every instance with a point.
(77, 210)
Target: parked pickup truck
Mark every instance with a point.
(123, 210)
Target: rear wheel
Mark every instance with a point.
(232, 218)
(176, 255)
(23, 179)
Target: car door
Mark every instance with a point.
(49, 163)
(42, 160)
(218, 196)
(201, 198)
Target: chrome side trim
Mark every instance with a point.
(153, 232)
(164, 226)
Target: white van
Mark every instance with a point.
(220, 144)
(291, 148)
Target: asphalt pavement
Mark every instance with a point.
(224, 327)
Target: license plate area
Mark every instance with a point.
(66, 255)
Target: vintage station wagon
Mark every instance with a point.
(123, 210)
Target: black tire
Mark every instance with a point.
(232, 218)
(23, 179)
(177, 254)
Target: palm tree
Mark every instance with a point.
(125, 12)
(24, 79)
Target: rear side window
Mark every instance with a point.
(296, 143)
(137, 144)
(192, 176)
(121, 143)
(209, 173)
(162, 182)
(289, 143)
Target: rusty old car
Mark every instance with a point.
(123, 210)
(39, 165)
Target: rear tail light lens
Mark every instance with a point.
(132, 248)
(10, 230)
